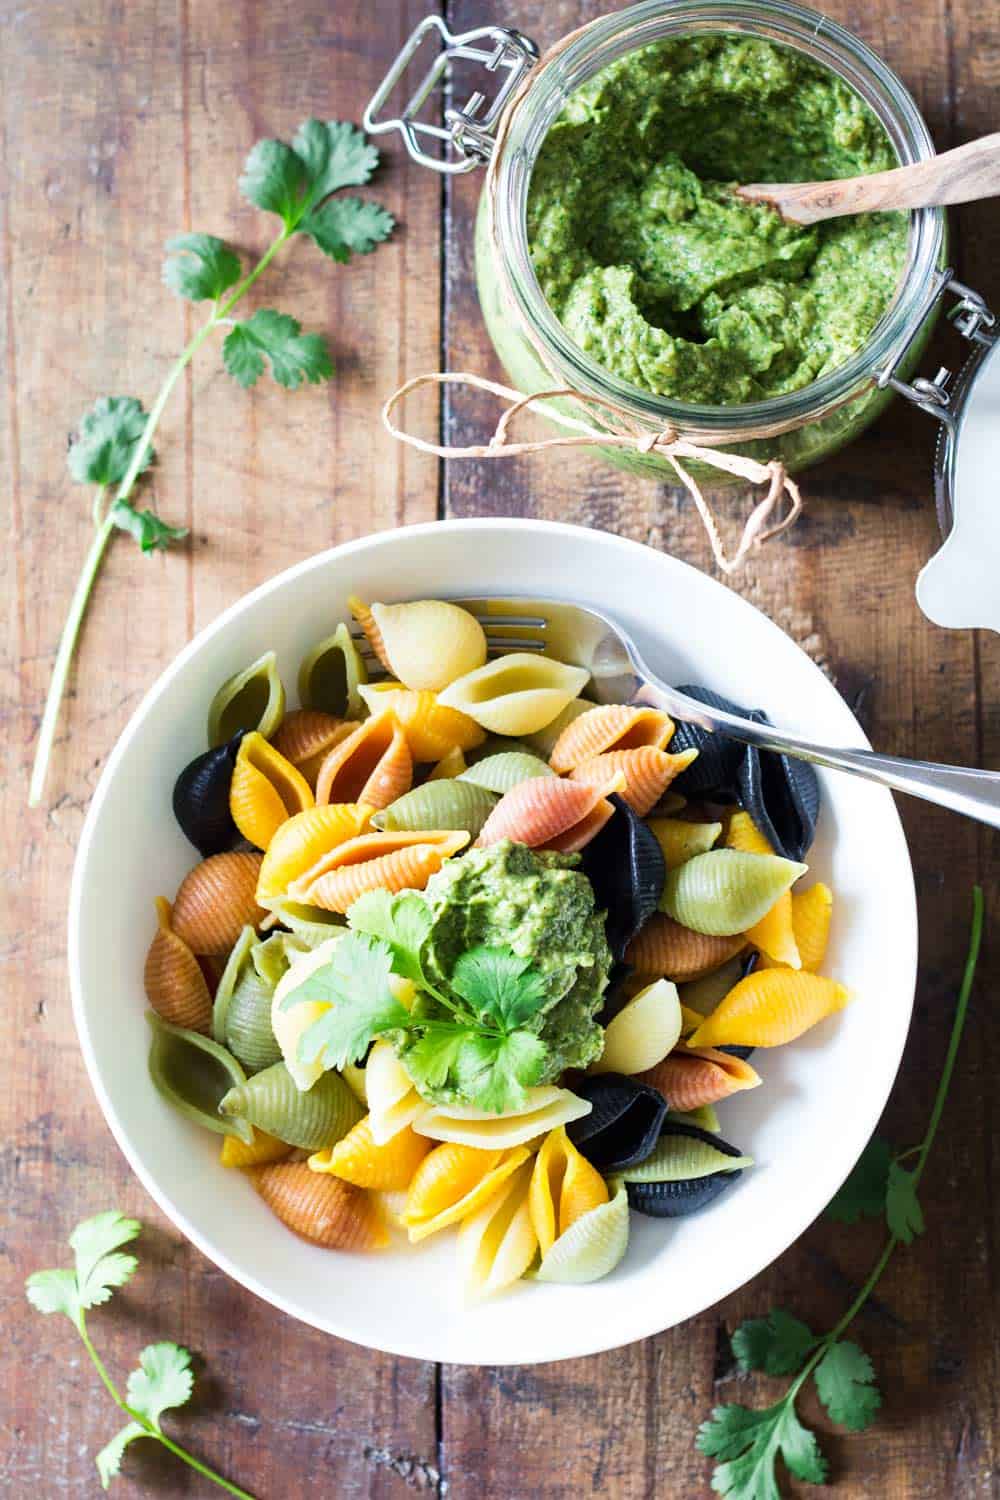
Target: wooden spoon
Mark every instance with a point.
(958, 176)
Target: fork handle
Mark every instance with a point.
(976, 794)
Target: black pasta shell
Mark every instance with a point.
(675, 1200)
(201, 799)
(617, 994)
(625, 866)
(781, 794)
(715, 774)
(624, 1124)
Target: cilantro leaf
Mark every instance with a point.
(347, 225)
(291, 180)
(499, 985)
(777, 1344)
(268, 335)
(494, 1071)
(401, 921)
(145, 526)
(109, 1460)
(200, 267)
(862, 1195)
(355, 983)
(902, 1206)
(845, 1381)
(433, 1057)
(54, 1291)
(749, 1442)
(275, 179)
(162, 1381)
(106, 439)
(99, 1269)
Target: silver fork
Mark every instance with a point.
(619, 674)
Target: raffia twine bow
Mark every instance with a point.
(779, 509)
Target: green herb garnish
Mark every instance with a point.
(163, 1380)
(746, 1443)
(113, 444)
(481, 1048)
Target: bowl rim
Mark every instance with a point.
(592, 1343)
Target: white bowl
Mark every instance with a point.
(805, 1126)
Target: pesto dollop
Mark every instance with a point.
(542, 907)
(659, 272)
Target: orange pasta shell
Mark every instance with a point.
(647, 771)
(322, 1209)
(369, 625)
(666, 949)
(547, 813)
(372, 764)
(215, 901)
(306, 736)
(812, 911)
(175, 984)
(305, 839)
(688, 1079)
(612, 726)
(376, 861)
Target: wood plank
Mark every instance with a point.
(842, 584)
(122, 128)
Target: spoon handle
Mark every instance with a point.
(958, 176)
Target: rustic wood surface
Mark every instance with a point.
(121, 124)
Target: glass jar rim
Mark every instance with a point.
(786, 23)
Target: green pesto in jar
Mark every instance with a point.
(659, 272)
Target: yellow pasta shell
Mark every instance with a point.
(518, 693)
(426, 643)
(320, 1208)
(611, 726)
(497, 1244)
(262, 1149)
(812, 911)
(303, 840)
(453, 1181)
(449, 766)
(643, 1031)
(376, 861)
(356, 1158)
(664, 948)
(564, 1186)
(769, 1007)
(306, 737)
(216, 900)
(680, 841)
(372, 764)
(266, 790)
(647, 772)
(174, 982)
(431, 729)
(774, 934)
(690, 1079)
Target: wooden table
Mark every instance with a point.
(121, 125)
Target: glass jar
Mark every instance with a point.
(798, 427)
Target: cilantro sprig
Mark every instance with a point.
(480, 1047)
(746, 1443)
(113, 444)
(163, 1379)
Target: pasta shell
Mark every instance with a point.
(303, 841)
(354, 1077)
(705, 1117)
(548, 813)
(715, 774)
(266, 790)
(624, 1124)
(625, 867)
(497, 1243)
(770, 1007)
(642, 1033)
(454, 804)
(591, 1247)
(193, 1074)
(215, 901)
(356, 1158)
(290, 1026)
(680, 841)
(430, 727)
(373, 765)
(452, 1182)
(201, 799)
(725, 891)
(310, 924)
(664, 947)
(331, 676)
(449, 766)
(426, 644)
(545, 740)
(612, 726)
(320, 1208)
(516, 694)
(701, 996)
(690, 1079)
(306, 737)
(647, 772)
(377, 861)
(544, 1108)
(781, 794)
(263, 1148)
(251, 700)
(248, 1031)
(508, 768)
(236, 961)
(774, 933)
(563, 1187)
(175, 985)
(314, 1119)
(393, 1102)
(812, 911)
(664, 1192)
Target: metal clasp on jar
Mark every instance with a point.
(467, 133)
(974, 321)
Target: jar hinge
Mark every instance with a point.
(973, 320)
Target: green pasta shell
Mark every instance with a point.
(330, 675)
(681, 1158)
(248, 1022)
(239, 956)
(193, 1074)
(498, 773)
(705, 1117)
(452, 803)
(590, 1247)
(253, 699)
(726, 891)
(309, 925)
(273, 955)
(312, 1120)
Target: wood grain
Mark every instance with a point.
(118, 127)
